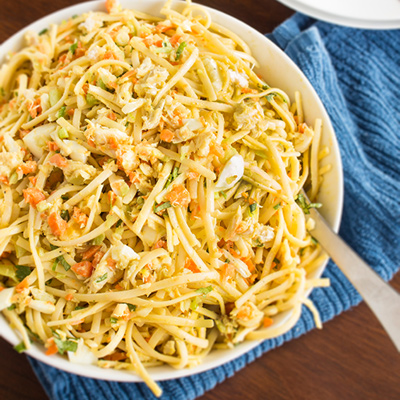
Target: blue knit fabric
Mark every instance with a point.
(357, 75)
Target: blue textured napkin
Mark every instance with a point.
(357, 75)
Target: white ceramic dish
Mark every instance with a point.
(278, 70)
(367, 14)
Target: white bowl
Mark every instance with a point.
(279, 71)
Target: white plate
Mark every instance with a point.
(368, 14)
(279, 71)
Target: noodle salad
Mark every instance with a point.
(151, 191)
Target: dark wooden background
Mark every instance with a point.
(350, 359)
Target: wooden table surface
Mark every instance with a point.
(351, 358)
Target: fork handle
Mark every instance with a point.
(381, 298)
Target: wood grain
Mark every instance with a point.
(350, 359)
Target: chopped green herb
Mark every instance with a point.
(195, 303)
(102, 278)
(277, 206)
(265, 87)
(61, 260)
(2, 92)
(61, 112)
(52, 247)
(180, 51)
(302, 202)
(74, 16)
(64, 197)
(101, 84)
(259, 243)
(253, 208)
(91, 100)
(276, 261)
(65, 345)
(49, 282)
(131, 307)
(99, 239)
(172, 176)
(73, 47)
(54, 266)
(270, 97)
(227, 261)
(63, 134)
(113, 320)
(223, 194)
(119, 223)
(12, 307)
(22, 272)
(315, 241)
(205, 290)
(42, 32)
(65, 215)
(302, 251)
(77, 308)
(162, 206)
(20, 347)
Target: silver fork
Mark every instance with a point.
(381, 298)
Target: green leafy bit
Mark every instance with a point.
(61, 112)
(20, 347)
(52, 247)
(22, 272)
(180, 51)
(99, 239)
(119, 223)
(65, 345)
(276, 261)
(223, 194)
(91, 100)
(63, 262)
(113, 320)
(49, 282)
(77, 308)
(64, 197)
(63, 134)
(315, 241)
(102, 278)
(65, 215)
(101, 84)
(253, 208)
(162, 206)
(265, 87)
(73, 47)
(205, 290)
(12, 307)
(43, 31)
(195, 303)
(131, 307)
(277, 206)
(302, 202)
(172, 176)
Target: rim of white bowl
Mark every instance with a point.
(216, 358)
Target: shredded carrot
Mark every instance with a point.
(179, 196)
(112, 116)
(191, 265)
(166, 135)
(59, 161)
(160, 28)
(111, 263)
(27, 168)
(22, 286)
(217, 150)
(33, 196)
(302, 127)
(80, 217)
(193, 175)
(97, 257)
(52, 349)
(57, 225)
(89, 253)
(33, 180)
(249, 263)
(71, 112)
(69, 297)
(52, 146)
(228, 271)
(110, 5)
(267, 322)
(160, 244)
(175, 39)
(84, 268)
